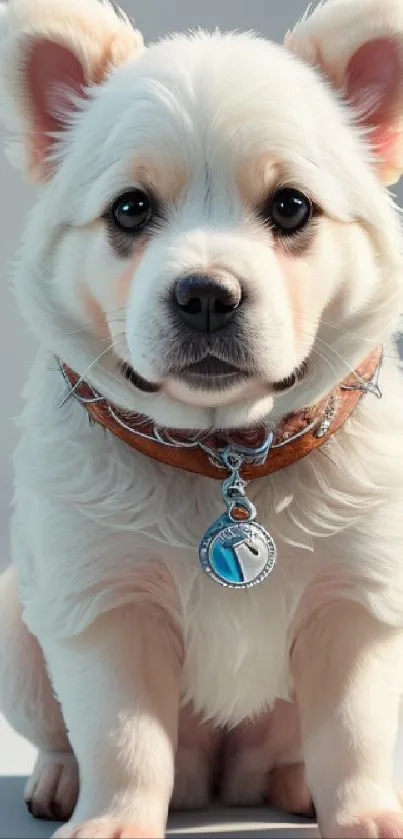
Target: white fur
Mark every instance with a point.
(104, 539)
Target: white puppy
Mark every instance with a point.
(213, 248)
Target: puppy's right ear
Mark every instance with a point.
(51, 53)
(357, 45)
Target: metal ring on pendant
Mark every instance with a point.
(241, 509)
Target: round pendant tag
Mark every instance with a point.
(237, 554)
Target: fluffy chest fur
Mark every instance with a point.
(94, 520)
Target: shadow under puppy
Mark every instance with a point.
(212, 268)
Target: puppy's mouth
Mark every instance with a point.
(290, 381)
(137, 381)
(208, 374)
(212, 373)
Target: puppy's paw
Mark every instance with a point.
(105, 829)
(195, 762)
(385, 825)
(288, 790)
(244, 782)
(192, 781)
(52, 790)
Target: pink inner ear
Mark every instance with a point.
(373, 79)
(52, 73)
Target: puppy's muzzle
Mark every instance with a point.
(206, 303)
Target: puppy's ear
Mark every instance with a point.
(51, 52)
(358, 46)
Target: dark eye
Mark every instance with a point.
(132, 211)
(289, 211)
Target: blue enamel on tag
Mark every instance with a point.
(237, 554)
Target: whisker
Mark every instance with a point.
(388, 356)
(99, 325)
(82, 378)
(325, 345)
(340, 328)
(316, 352)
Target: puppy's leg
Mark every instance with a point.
(119, 684)
(247, 760)
(346, 670)
(263, 762)
(196, 761)
(28, 703)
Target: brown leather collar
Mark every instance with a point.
(296, 436)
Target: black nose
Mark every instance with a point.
(207, 303)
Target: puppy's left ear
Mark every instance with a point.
(52, 52)
(358, 46)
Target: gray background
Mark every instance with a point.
(154, 18)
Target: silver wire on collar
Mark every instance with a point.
(250, 455)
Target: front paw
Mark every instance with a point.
(192, 781)
(288, 790)
(380, 825)
(105, 829)
(52, 790)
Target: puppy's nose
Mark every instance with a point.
(207, 303)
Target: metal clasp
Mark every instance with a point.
(239, 507)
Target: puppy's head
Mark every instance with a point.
(213, 241)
